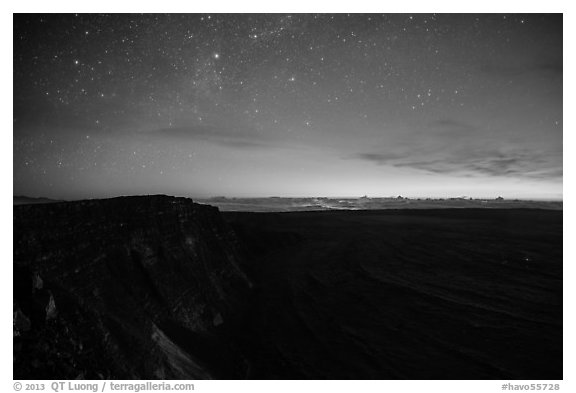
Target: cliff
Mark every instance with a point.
(131, 287)
(156, 287)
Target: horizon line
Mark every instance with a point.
(559, 199)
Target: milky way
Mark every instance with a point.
(289, 105)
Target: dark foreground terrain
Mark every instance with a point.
(160, 287)
(450, 294)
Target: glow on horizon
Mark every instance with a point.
(288, 105)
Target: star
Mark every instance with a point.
(159, 84)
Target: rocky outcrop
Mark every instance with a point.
(131, 287)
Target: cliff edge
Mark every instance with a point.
(133, 287)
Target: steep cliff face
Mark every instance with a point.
(131, 287)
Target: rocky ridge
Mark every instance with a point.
(130, 287)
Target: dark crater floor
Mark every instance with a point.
(428, 294)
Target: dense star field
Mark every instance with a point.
(289, 105)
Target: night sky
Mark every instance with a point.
(288, 105)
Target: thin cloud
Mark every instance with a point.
(468, 163)
(378, 158)
(239, 138)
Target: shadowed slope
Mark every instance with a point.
(417, 294)
(129, 279)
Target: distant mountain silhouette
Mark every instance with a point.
(24, 200)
